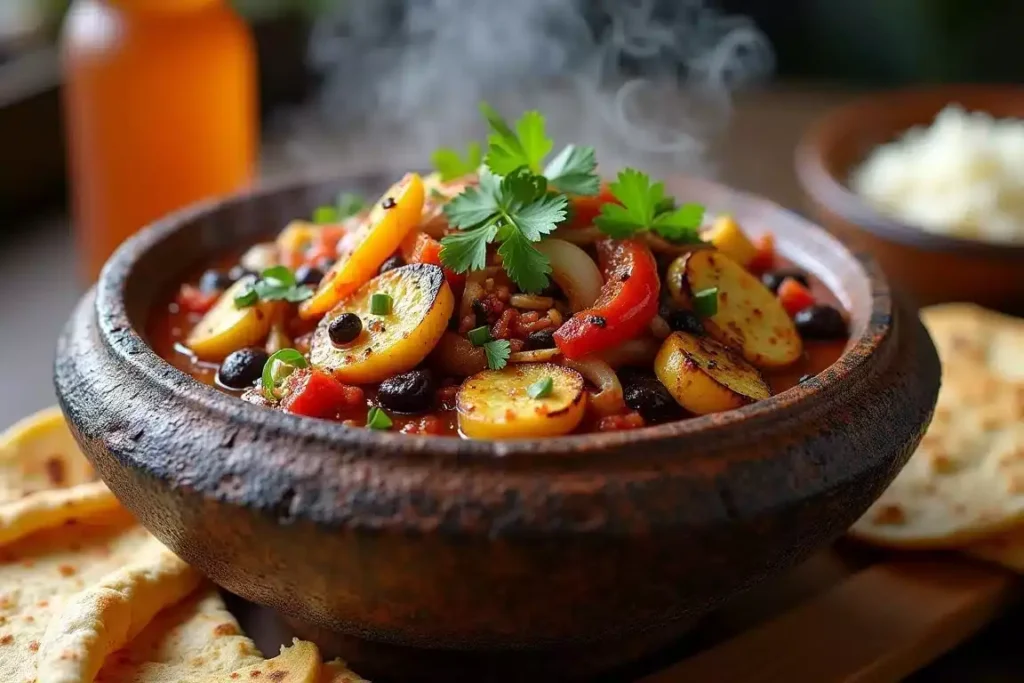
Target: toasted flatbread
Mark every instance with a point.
(965, 482)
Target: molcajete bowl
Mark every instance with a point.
(554, 557)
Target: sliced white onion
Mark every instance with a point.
(574, 271)
(531, 302)
(608, 400)
(635, 352)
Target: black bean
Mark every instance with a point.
(820, 322)
(410, 392)
(395, 261)
(389, 203)
(214, 281)
(541, 339)
(344, 329)
(309, 275)
(685, 321)
(773, 278)
(648, 396)
(242, 368)
(238, 272)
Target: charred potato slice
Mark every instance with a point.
(494, 404)
(421, 304)
(392, 218)
(728, 238)
(226, 327)
(706, 377)
(750, 318)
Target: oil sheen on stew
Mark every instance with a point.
(363, 315)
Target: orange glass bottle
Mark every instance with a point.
(160, 110)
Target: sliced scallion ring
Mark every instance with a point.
(287, 357)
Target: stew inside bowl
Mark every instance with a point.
(502, 298)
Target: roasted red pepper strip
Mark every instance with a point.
(313, 393)
(584, 209)
(626, 305)
(422, 248)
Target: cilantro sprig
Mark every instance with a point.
(451, 165)
(645, 207)
(275, 284)
(515, 210)
(497, 353)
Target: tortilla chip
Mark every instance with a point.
(195, 638)
(966, 480)
(106, 616)
(299, 663)
(45, 480)
(338, 672)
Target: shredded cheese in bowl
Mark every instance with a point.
(962, 176)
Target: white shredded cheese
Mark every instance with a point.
(962, 176)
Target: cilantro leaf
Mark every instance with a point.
(465, 251)
(644, 206)
(497, 352)
(275, 284)
(527, 267)
(516, 210)
(452, 165)
(509, 149)
(574, 170)
(680, 225)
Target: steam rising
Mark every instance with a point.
(412, 80)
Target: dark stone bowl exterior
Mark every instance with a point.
(535, 547)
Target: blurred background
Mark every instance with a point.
(157, 103)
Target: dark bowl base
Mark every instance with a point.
(385, 663)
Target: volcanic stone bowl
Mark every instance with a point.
(418, 556)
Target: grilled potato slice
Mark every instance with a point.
(374, 242)
(750, 318)
(422, 303)
(494, 404)
(728, 238)
(706, 377)
(226, 328)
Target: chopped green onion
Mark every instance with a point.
(278, 276)
(247, 297)
(289, 358)
(705, 302)
(380, 304)
(378, 419)
(541, 388)
(479, 335)
(326, 215)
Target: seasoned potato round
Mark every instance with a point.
(392, 218)
(226, 327)
(495, 404)
(750, 318)
(421, 304)
(706, 377)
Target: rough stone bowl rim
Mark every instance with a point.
(130, 347)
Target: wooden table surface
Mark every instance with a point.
(40, 288)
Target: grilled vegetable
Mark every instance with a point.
(226, 327)
(749, 318)
(728, 237)
(391, 219)
(495, 404)
(421, 303)
(705, 377)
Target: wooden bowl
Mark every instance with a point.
(483, 560)
(931, 268)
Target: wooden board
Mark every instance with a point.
(844, 616)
